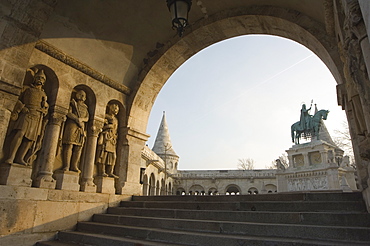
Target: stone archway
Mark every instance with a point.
(228, 24)
(233, 189)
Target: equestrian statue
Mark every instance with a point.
(308, 125)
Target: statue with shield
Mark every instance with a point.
(309, 125)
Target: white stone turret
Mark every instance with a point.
(163, 146)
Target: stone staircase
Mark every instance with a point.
(266, 219)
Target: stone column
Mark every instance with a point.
(306, 160)
(291, 161)
(49, 149)
(87, 183)
(129, 162)
(324, 157)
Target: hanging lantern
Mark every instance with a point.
(179, 13)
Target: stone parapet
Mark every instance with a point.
(35, 214)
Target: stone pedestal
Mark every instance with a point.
(15, 174)
(87, 185)
(45, 180)
(105, 185)
(67, 180)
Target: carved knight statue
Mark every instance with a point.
(74, 132)
(107, 141)
(29, 116)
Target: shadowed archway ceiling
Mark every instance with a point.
(118, 37)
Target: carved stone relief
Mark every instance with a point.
(314, 183)
(315, 158)
(298, 160)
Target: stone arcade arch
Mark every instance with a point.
(253, 191)
(259, 20)
(233, 190)
(180, 191)
(197, 190)
(270, 188)
(271, 20)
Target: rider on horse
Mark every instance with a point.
(306, 118)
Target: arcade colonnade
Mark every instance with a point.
(225, 182)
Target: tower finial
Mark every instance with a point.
(163, 139)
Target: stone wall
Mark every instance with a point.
(29, 214)
(225, 182)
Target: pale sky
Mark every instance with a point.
(238, 98)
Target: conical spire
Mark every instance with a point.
(162, 144)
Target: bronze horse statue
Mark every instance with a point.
(297, 130)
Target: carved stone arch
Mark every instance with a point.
(233, 189)
(212, 191)
(270, 188)
(253, 191)
(227, 24)
(180, 191)
(197, 189)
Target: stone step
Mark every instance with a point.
(207, 238)
(291, 206)
(311, 196)
(241, 228)
(361, 219)
(83, 238)
(271, 219)
(55, 243)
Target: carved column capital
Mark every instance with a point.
(57, 115)
(96, 127)
(57, 118)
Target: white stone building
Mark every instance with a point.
(318, 165)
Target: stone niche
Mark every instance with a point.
(298, 160)
(314, 158)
